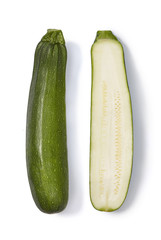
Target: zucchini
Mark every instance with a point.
(111, 137)
(46, 140)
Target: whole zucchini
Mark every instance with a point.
(46, 141)
(111, 145)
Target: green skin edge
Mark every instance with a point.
(46, 143)
(108, 35)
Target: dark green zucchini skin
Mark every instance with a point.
(46, 140)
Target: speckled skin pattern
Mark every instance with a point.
(46, 140)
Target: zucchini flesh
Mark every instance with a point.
(46, 143)
(111, 144)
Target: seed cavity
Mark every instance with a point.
(104, 123)
(117, 162)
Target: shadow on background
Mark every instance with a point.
(72, 77)
(138, 130)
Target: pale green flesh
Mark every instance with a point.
(111, 127)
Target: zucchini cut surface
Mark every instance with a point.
(111, 144)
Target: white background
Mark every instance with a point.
(137, 24)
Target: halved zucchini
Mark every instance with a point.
(111, 143)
